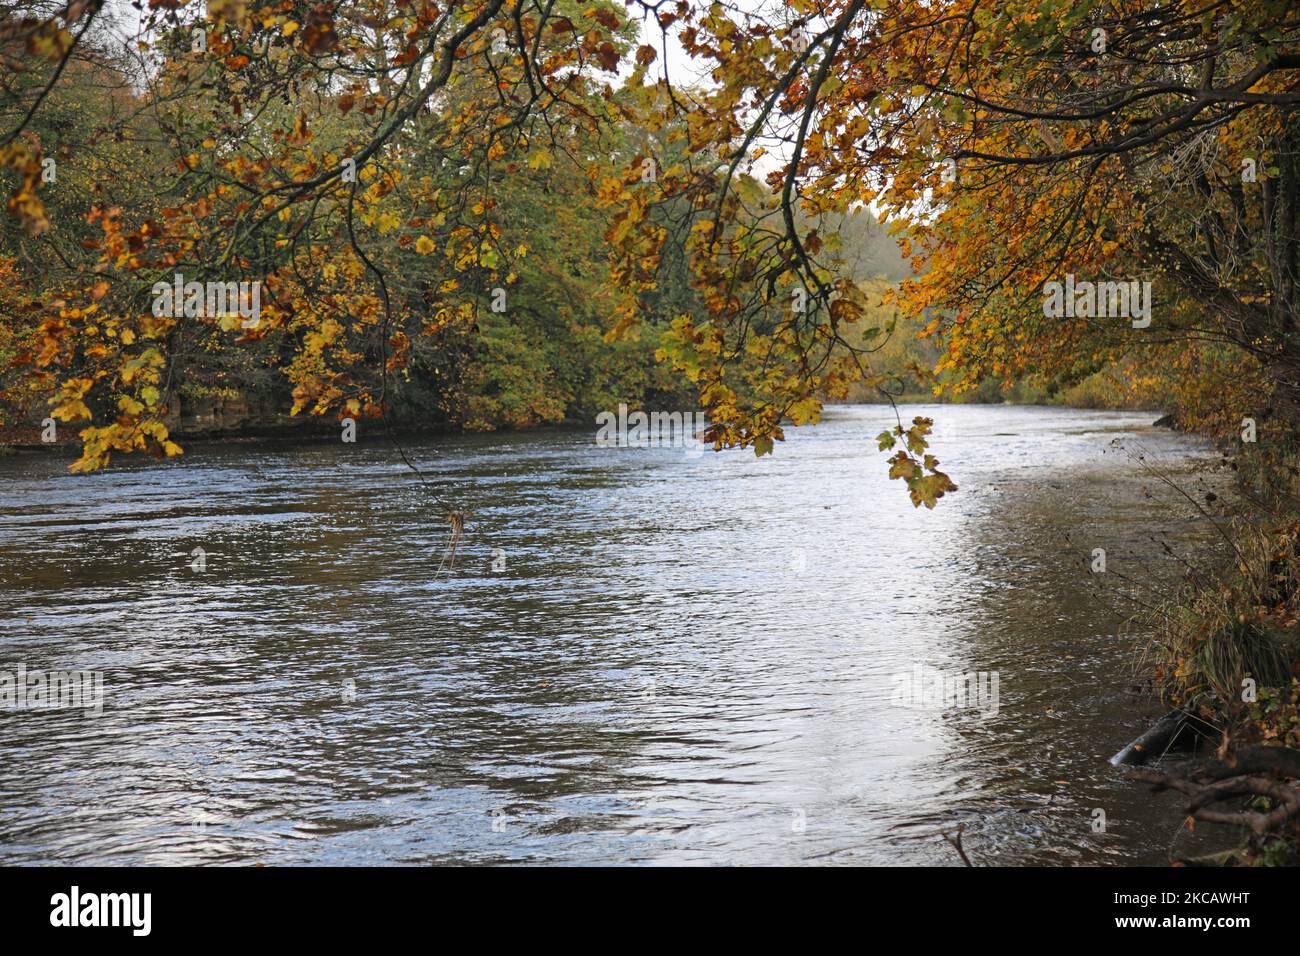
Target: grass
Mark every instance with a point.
(1219, 632)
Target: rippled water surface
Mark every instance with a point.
(685, 659)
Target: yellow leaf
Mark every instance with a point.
(71, 411)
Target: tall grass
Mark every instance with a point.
(1221, 630)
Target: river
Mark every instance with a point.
(641, 655)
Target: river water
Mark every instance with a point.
(641, 655)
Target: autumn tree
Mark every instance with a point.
(357, 160)
(349, 160)
(1008, 146)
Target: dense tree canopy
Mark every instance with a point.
(504, 209)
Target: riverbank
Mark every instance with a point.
(226, 415)
(1226, 649)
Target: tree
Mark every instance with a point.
(327, 150)
(347, 161)
(1009, 146)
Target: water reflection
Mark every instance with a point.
(641, 656)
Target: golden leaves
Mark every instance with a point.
(49, 41)
(919, 470)
(24, 157)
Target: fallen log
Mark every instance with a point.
(1247, 772)
(1176, 730)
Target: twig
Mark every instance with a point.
(955, 843)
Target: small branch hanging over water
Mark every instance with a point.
(457, 521)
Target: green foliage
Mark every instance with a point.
(926, 484)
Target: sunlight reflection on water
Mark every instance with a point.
(684, 659)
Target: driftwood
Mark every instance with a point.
(1246, 772)
(955, 843)
(456, 519)
(1175, 730)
